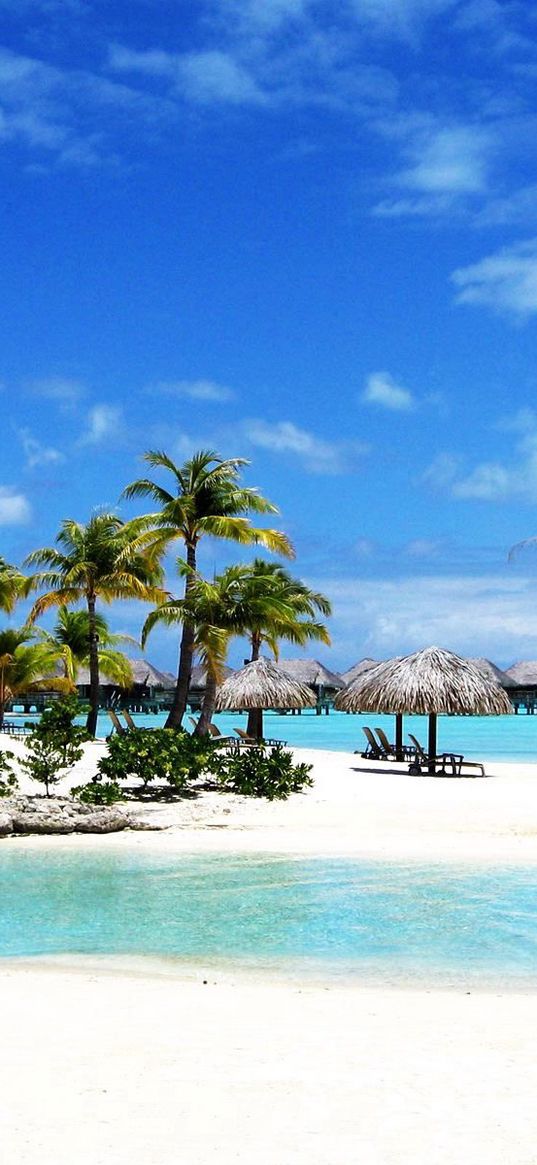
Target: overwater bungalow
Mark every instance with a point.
(323, 682)
(357, 669)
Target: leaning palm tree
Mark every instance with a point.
(27, 666)
(104, 559)
(70, 635)
(205, 497)
(13, 586)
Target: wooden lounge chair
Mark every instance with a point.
(116, 723)
(129, 720)
(390, 749)
(374, 750)
(244, 738)
(449, 764)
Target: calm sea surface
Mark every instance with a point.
(478, 737)
(300, 917)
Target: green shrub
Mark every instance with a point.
(8, 781)
(54, 744)
(162, 755)
(261, 772)
(98, 792)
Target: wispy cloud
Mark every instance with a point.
(483, 615)
(447, 164)
(201, 390)
(15, 509)
(501, 480)
(316, 454)
(381, 389)
(104, 421)
(64, 391)
(36, 453)
(505, 281)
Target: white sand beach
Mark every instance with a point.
(103, 1062)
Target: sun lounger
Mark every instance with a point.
(374, 750)
(244, 738)
(449, 764)
(116, 723)
(390, 749)
(129, 720)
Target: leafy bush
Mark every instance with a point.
(54, 744)
(163, 755)
(259, 772)
(8, 781)
(98, 792)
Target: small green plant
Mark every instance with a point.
(54, 744)
(97, 792)
(261, 772)
(159, 755)
(8, 781)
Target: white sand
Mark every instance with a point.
(102, 1066)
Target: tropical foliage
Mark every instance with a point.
(54, 744)
(27, 666)
(262, 772)
(105, 559)
(13, 586)
(8, 781)
(70, 635)
(205, 498)
(156, 756)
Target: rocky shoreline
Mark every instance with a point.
(56, 815)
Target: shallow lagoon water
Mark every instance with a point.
(335, 919)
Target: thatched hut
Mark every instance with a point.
(323, 682)
(523, 673)
(262, 684)
(149, 682)
(198, 683)
(490, 669)
(354, 672)
(429, 682)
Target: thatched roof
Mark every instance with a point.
(358, 669)
(429, 681)
(310, 671)
(488, 668)
(145, 675)
(262, 684)
(524, 672)
(198, 676)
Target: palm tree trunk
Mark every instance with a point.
(2, 698)
(207, 707)
(91, 723)
(180, 695)
(254, 726)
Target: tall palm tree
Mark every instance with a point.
(26, 666)
(205, 497)
(13, 586)
(261, 600)
(104, 559)
(70, 635)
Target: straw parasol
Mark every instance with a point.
(262, 684)
(429, 682)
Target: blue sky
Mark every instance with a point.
(301, 232)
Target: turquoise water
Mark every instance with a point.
(334, 918)
(478, 737)
(501, 738)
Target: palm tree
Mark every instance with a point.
(104, 559)
(26, 666)
(262, 601)
(206, 497)
(70, 635)
(13, 586)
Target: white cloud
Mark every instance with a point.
(61, 389)
(316, 454)
(491, 615)
(204, 78)
(382, 389)
(422, 548)
(513, 478)
(104, 421)
(505, 281)
(450, 159)
(203, 390)
(14, 507)
(36, 453)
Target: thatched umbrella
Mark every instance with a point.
(429, 682)
(262, 684)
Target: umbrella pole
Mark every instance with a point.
(399, 736)
(432, 746)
